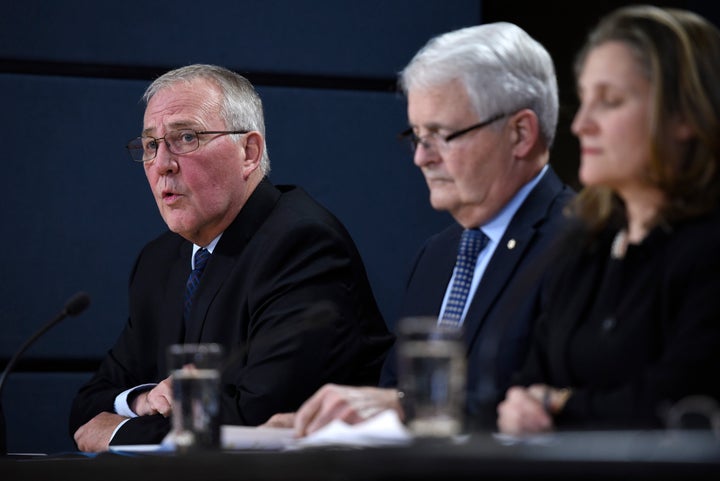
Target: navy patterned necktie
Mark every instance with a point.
(201, 258)
(471, 243)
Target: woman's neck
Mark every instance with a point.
(642, 208)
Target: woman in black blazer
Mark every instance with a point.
(631, 308)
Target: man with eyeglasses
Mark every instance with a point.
(482, 105)
(271, 275)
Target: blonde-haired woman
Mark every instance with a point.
(631, 319)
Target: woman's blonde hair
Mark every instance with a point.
(679, 52)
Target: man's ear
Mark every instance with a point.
(525, 130)
(254, 147)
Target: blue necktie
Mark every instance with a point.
(201, 258)
(471, 243)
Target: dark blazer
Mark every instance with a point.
(499, 320)
(637, 334)
(285, 292)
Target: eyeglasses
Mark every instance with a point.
(144, 149)
(438, 143)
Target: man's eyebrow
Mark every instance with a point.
(173, 126)
(430, 127)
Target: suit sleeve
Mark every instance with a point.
(132, 361)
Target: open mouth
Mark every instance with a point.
(169, 196)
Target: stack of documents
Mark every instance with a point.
(381, 430)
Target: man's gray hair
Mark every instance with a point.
(502, 68)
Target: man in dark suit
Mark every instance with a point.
(284, 289)
(483, 108)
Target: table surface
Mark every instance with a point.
(598, 455)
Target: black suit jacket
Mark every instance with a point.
(285, 292)
(499, 321)
(631, 336)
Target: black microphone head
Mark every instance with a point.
(77, 303)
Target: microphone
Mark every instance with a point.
(74, 306)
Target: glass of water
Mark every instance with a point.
(432, 375)
(195, 373)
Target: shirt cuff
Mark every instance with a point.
(117, 429)
(121, 401)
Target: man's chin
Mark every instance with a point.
(177, 226)
(439, 201)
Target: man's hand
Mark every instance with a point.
(281, 420)
(158, 400)
(347, 403)
(94, 435)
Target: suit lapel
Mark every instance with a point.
(173, 302)
(498, 273)
(227, 253)
(216, 271)
(510, 252)
(431, 274)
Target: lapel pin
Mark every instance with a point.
(511, 244)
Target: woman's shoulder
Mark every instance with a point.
(698, 231)
(695, 242)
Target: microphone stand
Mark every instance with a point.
(74, 306)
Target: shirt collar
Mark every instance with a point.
(210, 247)
(495, 228)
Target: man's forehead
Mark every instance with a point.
(174, 108)
(439, 108)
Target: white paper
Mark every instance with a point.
(380, 430)
(141, 448)
(246, 437)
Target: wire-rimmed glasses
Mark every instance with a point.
(439, 143)
(144, 148)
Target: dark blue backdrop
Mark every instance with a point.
(76, 209)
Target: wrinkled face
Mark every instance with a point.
(198, 193)
(613, 122)
(468, 177)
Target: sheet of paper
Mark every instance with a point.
(246, 437)
(380, 430)
(141, 448)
